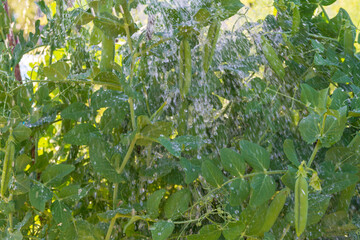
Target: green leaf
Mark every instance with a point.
(212, 173)
(81, 134)
(289, 150)
(253, 218)
(153, 202)
(107, 98)
(343, 155)
(101, 159)
(191, 170)
(228, 8)
(21, 133)
(239, 191)
(153, 131)
(341, 77)
(83, 17)
(108, 77)
(162, 230)
(177, 204)
(21, 162)
(73, 192)
(44, 9)
(233, 230)
(57, 71)
(53, 174)
(338, 99)
(313, 98)
(108, 215)
(289, 178)
(207, 232)
(95, 36)
(309, 128)
(318, 203)
(255, 155)
(22, 184)
(77, 111)
(338, 181)
(263, 188)
(173, 147)
(39, 195)
(62, 216)
(334, 127)
(88, 231)
(202, 16)
(232, 162)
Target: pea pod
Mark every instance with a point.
(274, 210)
(210, 45)
(272, 58)
(8, 161)
(185, 67)
(301, 204)
(296, 20)
(348, 39)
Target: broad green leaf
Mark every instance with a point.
(318, 203)
(95, 36)
(109, 77)
(22, 184)
(21, 133)
(73, 192)
(289, 178)
(83, 17)
(289, 150)
(239, 191)
(153, 131)
(233, 230)
(153, 202)
(53, 174)
(162, 230)
(57, 71)
(63, 218)
(100, 157)
(342, 155)
(81, 134)
(207, 232)
(338, 181)
(341, 77)
(212, 173)
(77, 111)
(177, 204)
(334, 127)
(313, 98)
(173, 147)
(228, 8)
(39, 195)
(263, 188)
(88, 231)
(114, 117)
(232, 162)
(309, 128)
(253, 218)
(255, 155)
(191, 170)
(338, 99)
(107, 98)
(21, 162)
(202, 16)
(16, 235)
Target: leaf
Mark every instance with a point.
(289, 150)
(81, 134)
(255, 155)
(77, 111)
(88, 231)
(162, 230)
(338, 181)
(318, 203)
(233, 230)
(73, 192)
(239, 191)
(228, 8)
(191, 170)
(342, 155)
(107, 98)
(153, 131)
(53, 174)
(212, 173)
(108, 215)
(44, 9)
(21, 133)
(177, 204)
(207, 232)
(62, 216)
(109, 77)
(153, 202)
(83, 17)
(253, 218)
(341, 77)
(309, 128)
(313, 98)
(232, 162)
(39, 195)
(173, 147)
(100, 157)
(263, 188)
(334, 127)
(202, 16)
(22, 184)
(57, 71)
(21, 162)
(338, 99)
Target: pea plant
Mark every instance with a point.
(199, 124)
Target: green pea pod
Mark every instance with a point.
(185, 67)
(274, 210)
(272, 57)
(210, 45)
(8, 160)
(296, 20)
(301, 204)
(348, 39)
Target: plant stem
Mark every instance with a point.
(285, 232)
(112, 223)
(312, 157)
(107, 53)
